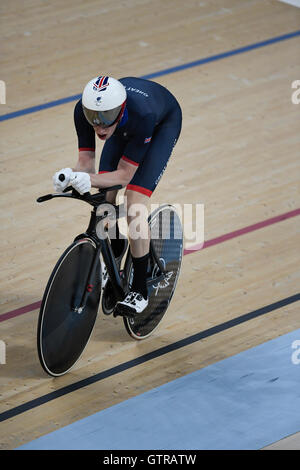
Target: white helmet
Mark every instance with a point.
(103, 101)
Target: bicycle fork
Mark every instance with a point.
(89, 284)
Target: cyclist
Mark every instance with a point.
(139, 122)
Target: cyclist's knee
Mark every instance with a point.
(136, 197)
(137, 214)
(137, 203)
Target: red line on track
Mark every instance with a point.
(243, 231)
(20, 311)
(193, 249)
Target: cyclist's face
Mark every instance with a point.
(105, 133)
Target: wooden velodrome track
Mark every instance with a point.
(238, 154)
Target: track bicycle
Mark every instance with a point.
(71, 299)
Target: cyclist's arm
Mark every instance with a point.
(86, 141)
(122, 175)
(86, 161)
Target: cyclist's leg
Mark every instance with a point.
(156, 159)
(138, 230)
(111, 153)
(142, 187)
(138, 234)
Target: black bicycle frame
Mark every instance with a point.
(102, 244)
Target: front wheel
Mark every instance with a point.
(167, 243)
(63, 328)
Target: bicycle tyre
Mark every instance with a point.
(170, 251)
(63, 333)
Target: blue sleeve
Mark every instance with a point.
(85, 132)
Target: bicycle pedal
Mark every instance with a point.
(124, 311)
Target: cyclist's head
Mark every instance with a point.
(103, 101)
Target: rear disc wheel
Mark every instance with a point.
(167, 241)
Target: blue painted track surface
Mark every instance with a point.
(247, 401)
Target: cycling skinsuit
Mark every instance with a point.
(145, 136)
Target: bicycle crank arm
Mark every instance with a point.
(158, 279)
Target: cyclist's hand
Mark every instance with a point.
(80, 181)
(59, 185)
